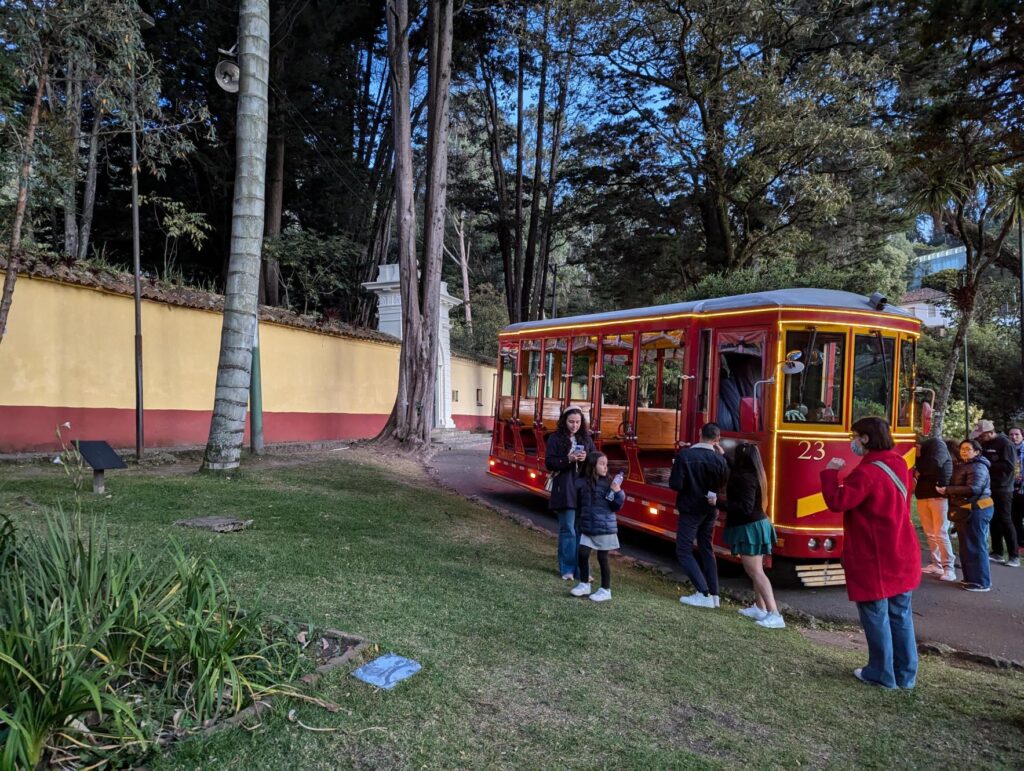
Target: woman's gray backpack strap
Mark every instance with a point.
(892, 475)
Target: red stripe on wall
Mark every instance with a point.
(33, 429)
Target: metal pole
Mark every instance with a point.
(1020, 254)
(139, 419)
(256, 394)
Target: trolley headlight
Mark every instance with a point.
(829, 544)
(812, 543)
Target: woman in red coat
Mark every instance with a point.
(881, 554)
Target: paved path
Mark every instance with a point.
(990, 624)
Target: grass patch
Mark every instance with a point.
(516, 672)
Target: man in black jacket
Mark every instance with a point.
(1002, 456)
(697, 471)
(933, 468)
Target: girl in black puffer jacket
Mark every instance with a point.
(598, 497)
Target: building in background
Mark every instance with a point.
(930, 306)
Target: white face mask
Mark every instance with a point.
(857, 447)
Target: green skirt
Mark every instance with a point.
(753, 539)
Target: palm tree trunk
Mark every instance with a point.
(227, 426)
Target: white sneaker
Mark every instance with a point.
(601, 595)
(932, 570)
(717, 599)
(753, 612)
(772, 621)
(949, 575)
(580, 590)
(698, 600)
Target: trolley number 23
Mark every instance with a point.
(811, 450)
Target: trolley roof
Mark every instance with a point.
(823, 299)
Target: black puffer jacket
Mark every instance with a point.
(1002, 457)
(595, 513)
(742, 504)
(970, 482)
(934, 468)
(556, 459)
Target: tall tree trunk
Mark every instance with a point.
(948, 373)
(538, 176)
(272, 226)
(439, 52)
(493, 122)
(227, 426)
(518, 216)
(413, 415)
(270, 289)
(459, 223)
(397, 13)
(89, 196)
(556, 149)
(25, 176)
(74, 128)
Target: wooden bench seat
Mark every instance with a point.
(656, 428)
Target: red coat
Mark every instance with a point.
(881, 554)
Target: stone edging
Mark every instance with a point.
(356, 646)
(946, 651)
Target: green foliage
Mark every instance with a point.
(176, 222)
(884, 273)
(745, 137)
(993, 353)
(99, 649)
(954, 424)
(320, 271)
(489, 316)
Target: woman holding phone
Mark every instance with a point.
(564, 455)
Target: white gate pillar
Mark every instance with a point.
(387, 287)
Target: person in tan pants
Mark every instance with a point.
(933, 468)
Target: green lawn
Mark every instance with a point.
(517, 673)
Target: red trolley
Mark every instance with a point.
(648, 378)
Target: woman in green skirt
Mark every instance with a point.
(748, 530)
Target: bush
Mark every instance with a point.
(99, 652)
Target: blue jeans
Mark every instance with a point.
(701, 527)
(892, 648)
(568, 542)
(973, 537)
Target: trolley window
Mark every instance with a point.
(584, 353)
(873, 370)
(618, 363)
(740, 366)
(509, 368)
(907, 381)
(554, 366)
(815, 394)
(531, 350)
(616, 369)
(661, 369)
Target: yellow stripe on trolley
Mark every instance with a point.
(810, 504)
(815, 504)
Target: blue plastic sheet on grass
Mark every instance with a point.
(387, 671)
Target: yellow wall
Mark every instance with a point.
(467, 377)
(73, 346)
